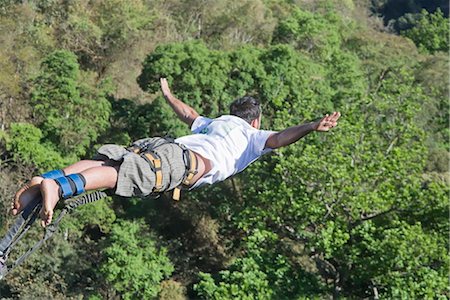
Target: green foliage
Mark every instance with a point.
(26, 144)
(263, 273)
(102, 30)
(56, 271)
(430, 32)
(24, 44)
(400, 259)
(283, 80)
(207, 71)
(133, 264)
(112, 38)
(345, 214)
(346, 77)
(96, 214)
(392, 11)
(319, 192)
(222, 24)
(132, 121)
(71, 113)
(95, 297)
(311, 32)
(244, 280)
(389, 143)
(438, 160)
(202, 86)
(432, 75)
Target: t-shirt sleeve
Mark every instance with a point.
(200, 123)
(259, 139)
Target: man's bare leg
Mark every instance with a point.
(99, 177)
(32, 189)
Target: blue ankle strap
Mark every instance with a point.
(79, 183)
(66, 189)
(53, 174)
(71, 185)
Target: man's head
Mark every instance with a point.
(247, 108)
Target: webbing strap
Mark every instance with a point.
(192, 168)
(156, 162)
(134, 149)
(176, 193)
(66, 189)
(28, 216)
(53, 174)
(79, 183)
(19, 225)
(193, 164)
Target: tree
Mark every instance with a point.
(348, 214)
(310, 32)
(379, 154)
(394, 10)
(28, 147)
(319, 197)
(262, 272)
(70, 112)
(222, 24)
(133, 264)
(430, 32)
(25, 43)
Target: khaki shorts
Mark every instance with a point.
(135, 176)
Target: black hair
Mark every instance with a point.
(247, 108)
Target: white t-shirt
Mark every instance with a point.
(229, 142)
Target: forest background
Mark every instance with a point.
(358, 213)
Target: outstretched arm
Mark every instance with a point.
(293, 134)
(186, 113)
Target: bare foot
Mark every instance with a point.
(27, 193)
(50, 196)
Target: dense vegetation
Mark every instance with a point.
(358, 213)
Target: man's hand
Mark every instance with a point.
(165, 88)
(327, 122)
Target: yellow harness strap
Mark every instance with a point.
(156, 161)
(135, 149)
(190, 174)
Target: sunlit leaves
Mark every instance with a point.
(430, 33)
(134, 265)
(70, 111)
